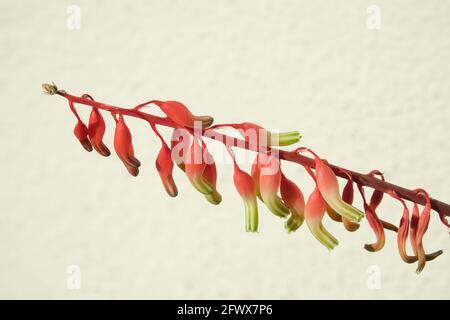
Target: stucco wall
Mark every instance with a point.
(362, 98)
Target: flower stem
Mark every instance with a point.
(361, 179)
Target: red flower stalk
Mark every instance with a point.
(267, 181)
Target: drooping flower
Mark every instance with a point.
(269, 183)
(245, 186)
(81, 133)
(194, 166)
(314, 211)
(422, 226)
(347, 196)
(256, 172)
(124, 147)
(292, 196)
(180, 114)
(375, 223)
(96, 130)
(329, 188)
(164, 165)
(210, 177)
(180, 144)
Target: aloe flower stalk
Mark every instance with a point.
(267, 181)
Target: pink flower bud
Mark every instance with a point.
(96, 131)
(314, 212)
(269, 183)
(124, 147)
(195, 165)
(180, 114)
(164, 165)
(293, 198)
(246, 188)
(81, 132)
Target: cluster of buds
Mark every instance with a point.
(266, 182)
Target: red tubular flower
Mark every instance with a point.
(329, 188)
(245, 186)
(124, 147)
(293, 198)
(195, 166)
(96, 130)
(347, 196)
(164, 165)
(180, 114)
(81, 132)
(422, 226)
(269, 183)
(210, 176)
(256, 172)
(253, 134)
(314, 211)
(180, 142)
(375, 223)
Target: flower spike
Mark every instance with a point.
(124, 147)
(96, 131)
(293, 198)
(164, 165)
(314, 212)
(269, 183)
(246, 188)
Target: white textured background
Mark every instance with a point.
(363, 99)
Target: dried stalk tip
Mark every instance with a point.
(50, 89)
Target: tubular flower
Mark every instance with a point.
(258, 136)
(314, 211)
(180, 114)
(410, 225)
(96, 130)
(422, 226)
(124, 147)
(329, 188)
(81, 132)
(376, 225)
(347, 196)
(256, 172)
(195, 166)
(210, 177)
(179, 143)
(293, 198)
(245, 186)
(164, 165)
(269, 183)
